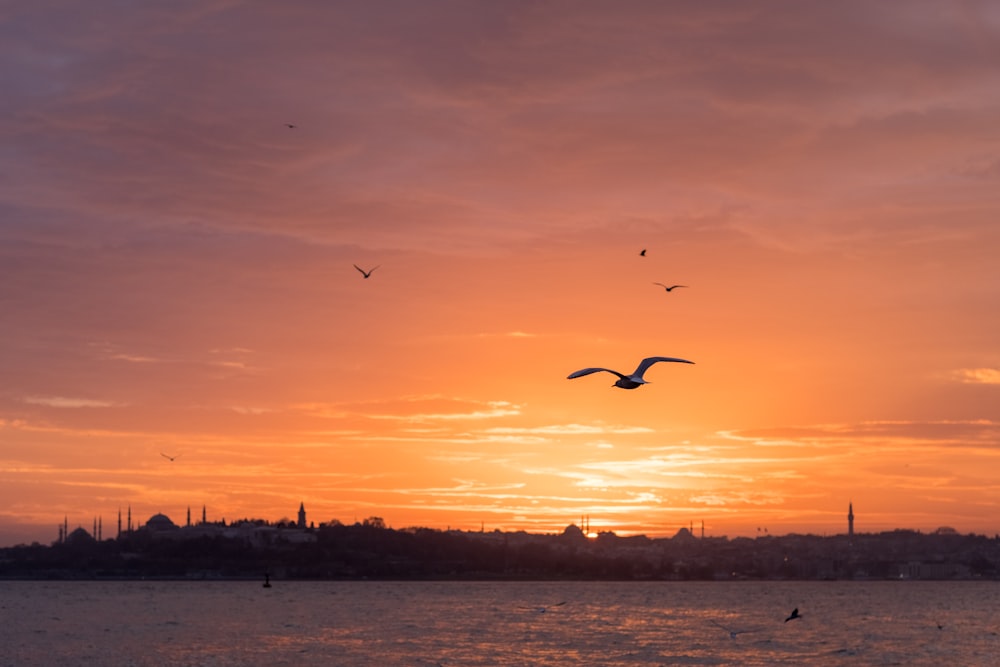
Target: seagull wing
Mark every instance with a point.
(360, 269)
(588, 371)
(649, 361)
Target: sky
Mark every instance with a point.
(177, 265)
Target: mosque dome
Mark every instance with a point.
(79, 536)
(159, 522)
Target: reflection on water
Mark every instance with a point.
(508, 623)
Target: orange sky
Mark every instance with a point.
(176, 264)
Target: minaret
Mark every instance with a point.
(189, 517)
(203, 519)
(119, 521)
(302, 515)
(100, 528)
(850, 519)
(130, 517)
(65, 528)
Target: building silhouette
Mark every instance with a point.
(850, 519)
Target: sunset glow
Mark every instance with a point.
(177, 264)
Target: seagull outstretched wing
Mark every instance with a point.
(588, 371)
(649, 361)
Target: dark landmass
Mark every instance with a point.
(369, 550)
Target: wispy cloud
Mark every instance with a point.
(491, 410)
(978, 375)
(69, 402)
(571, 429)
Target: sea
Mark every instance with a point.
(378, 623)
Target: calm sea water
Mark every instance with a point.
(510, 623)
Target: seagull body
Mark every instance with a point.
(643, 253)
(367, 274)
(290, 126)
(671, 288)
(628, 381)
(794, 615)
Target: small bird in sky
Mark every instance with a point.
(628, 381)
(167, 456)
(367, 274)
(794, 615)
(290, 126)
(642, 253)
(671, 288)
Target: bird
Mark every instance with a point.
(290, 126)
(732, 633)
(167, 456)
(628, 381)
(543, 609)
(367, 274)
(794, 615)
(642, 253)
(671, 288)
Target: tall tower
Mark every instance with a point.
(850, 519)
(302, 515)
(189, 517)
(119, 521)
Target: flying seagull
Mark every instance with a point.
(367, 274)
(290, 126)
(167, 456)
(671, 288)
(642, 253)
(732, 633)
(543, 609)
(794, 615)
(628, 381)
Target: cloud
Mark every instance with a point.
(571, 429)
(65, 402)
(978, 375)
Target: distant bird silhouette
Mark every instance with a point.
(167, 456)
(671, 288)
(642, 253)
(290, 126)
(367, 274)
(544, 608)
(628, 381)
(794, 615)
(732, 633)
(267, 580)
